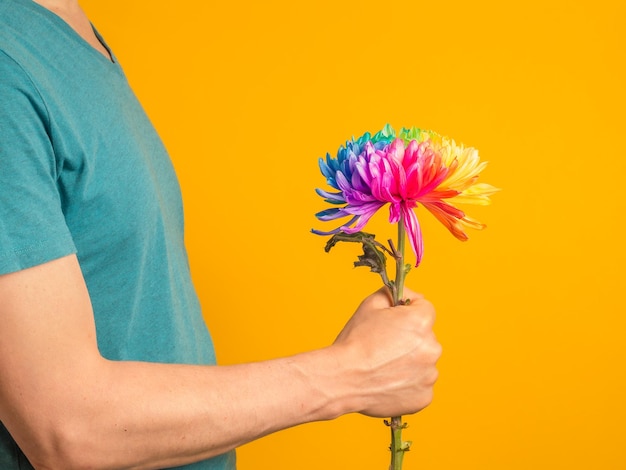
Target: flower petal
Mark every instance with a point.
(360, 222)
(337, 230)
(333, 198)
(331, 214)
(414, 232)
(449, 216)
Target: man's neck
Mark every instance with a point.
(60, 7)
(71, 12)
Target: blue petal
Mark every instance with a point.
(333, 198)
(337, 230)
(319, 232)
(325, 169)
(330, 214)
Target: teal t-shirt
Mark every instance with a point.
(83, 171)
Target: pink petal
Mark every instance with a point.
(411, 224)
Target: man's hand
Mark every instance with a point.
(393, 353)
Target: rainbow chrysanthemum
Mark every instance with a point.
(415, 167)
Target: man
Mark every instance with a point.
(104, 358)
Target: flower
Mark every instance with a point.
(417, 167)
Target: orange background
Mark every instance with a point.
(531, 311)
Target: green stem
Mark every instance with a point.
(400, 269)
(398, 447)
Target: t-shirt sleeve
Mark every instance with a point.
(32, 225)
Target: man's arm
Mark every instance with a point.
(68, 407)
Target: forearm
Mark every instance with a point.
(142, 415)
(67, 407)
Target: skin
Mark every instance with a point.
(73, 14)
(68, 407)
